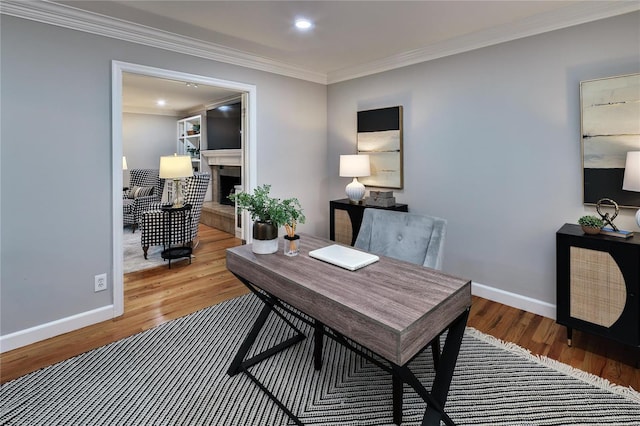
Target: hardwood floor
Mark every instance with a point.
(542, 336)
(151, 297)
(158, 295)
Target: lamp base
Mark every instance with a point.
(178, 199)
(355, 191)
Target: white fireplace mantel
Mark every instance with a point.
(223, 157)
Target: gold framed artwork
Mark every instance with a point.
(610, 127)
(380, 137)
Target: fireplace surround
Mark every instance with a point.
(226, 176)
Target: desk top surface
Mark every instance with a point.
(392, 307)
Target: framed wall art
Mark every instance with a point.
(610, 127)
(380, 136)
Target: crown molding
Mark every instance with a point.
(76, 19)
(575, 14)
(152, 111)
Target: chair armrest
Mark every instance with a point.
(150, 202)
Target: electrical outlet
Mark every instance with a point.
(100, 282)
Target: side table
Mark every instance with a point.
(598, 284)
(345, 219)
(177, 252)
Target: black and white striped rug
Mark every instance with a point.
(175, 374)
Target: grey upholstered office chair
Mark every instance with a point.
(410, 237)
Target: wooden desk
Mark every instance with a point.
(391, 307)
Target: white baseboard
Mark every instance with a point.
(75, 322)
(54, 328)
(514, 300)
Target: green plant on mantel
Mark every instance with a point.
(264, 208)
(591, 221)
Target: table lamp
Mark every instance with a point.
(354, 166)
(176, 167)
(631, 180)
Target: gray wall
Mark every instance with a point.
(55, 160)
(145, 138)
(492, 143)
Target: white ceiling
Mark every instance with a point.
(350, 34)
(350, 38)
(141, 93)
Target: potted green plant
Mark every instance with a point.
(290, 212)
(591, 224)
(268, 214)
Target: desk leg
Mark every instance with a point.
(398, 392)
(238, 363)
(234, 368)
(437, 398)
(318, 334)
(444, 373)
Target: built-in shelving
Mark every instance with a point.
(189, 139)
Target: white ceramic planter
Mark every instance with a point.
(265, 238)
(265, 246)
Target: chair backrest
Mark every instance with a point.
(147, 177)
(410, 237)
(195, 188)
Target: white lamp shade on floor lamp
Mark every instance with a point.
(124, 163)
(176, 167)
(631, 180)
(355, 166)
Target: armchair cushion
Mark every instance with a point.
(140, 191)
(146, 191)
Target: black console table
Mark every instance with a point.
(179, 251)
(598, 284)
(345, 219)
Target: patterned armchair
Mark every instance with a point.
(153, 222)
(144, 192)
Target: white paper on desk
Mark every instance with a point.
(344, 257)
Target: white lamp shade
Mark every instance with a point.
(175, 166)
(124, 163)
(632, 172)
(354, 166)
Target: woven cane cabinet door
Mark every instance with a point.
(598, 283)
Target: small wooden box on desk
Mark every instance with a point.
(345, 219)
(598, 284)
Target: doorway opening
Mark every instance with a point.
(248, 175)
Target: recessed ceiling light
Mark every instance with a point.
(161, 102)
(303, 24)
